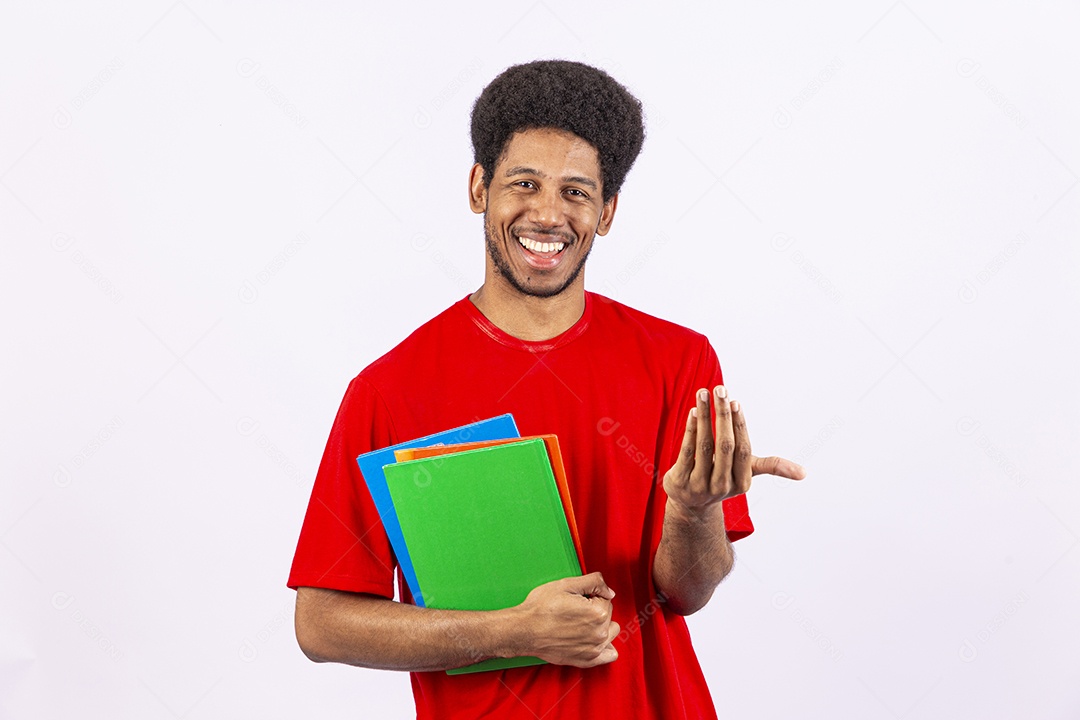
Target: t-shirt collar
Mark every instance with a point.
(500, 336)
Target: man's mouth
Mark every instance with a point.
(543, 249)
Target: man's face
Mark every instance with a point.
(542, 210)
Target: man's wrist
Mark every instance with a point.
(701, 515)
(509, 633)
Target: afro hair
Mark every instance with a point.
(565, 95)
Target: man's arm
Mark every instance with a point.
(695, 554)
(693, 557)
(566, 622)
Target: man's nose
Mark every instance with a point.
(547, 209)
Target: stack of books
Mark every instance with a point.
(477, 516)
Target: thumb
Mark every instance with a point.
(777, 466)
(590, 585)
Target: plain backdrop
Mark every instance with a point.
(212, 216)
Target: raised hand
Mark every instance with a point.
(715, 461)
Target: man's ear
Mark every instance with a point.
(477, 190)
(607, 214)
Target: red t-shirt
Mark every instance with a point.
(616, 388)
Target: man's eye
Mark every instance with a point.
(525, 183)
(576, 192)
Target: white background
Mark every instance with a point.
(212, 217)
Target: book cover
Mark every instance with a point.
(557, 467)
(483, 528)
(371, 468)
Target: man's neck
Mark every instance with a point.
(530, 318)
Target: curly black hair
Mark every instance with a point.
(566, 95)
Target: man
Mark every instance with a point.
(629, 396)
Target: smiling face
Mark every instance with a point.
(542, 210)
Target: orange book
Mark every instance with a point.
(557, 467)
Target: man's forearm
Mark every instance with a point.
(694, 555)
(374, 632)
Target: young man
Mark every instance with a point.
(657, 456)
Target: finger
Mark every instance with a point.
(778, 466)
(703, 455)
(609, 655)
(606, 652)
(741, 466)
(725, 444)
(685, 463)
(591, 585)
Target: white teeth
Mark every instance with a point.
(541, 247)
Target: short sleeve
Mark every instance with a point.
(736, 512)
(342, 543)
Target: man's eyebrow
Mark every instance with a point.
(587, 182)
(522, 170)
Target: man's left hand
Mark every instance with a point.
(715, 462)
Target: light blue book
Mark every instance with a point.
(371, 467)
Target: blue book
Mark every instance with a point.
(371, 464)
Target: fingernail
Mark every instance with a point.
(703, 395)
(735, 406)
(721, 392)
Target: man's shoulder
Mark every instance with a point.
(418, 345)
(612, 313)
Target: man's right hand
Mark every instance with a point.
(568, 622)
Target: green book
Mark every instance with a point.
(483, 528)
